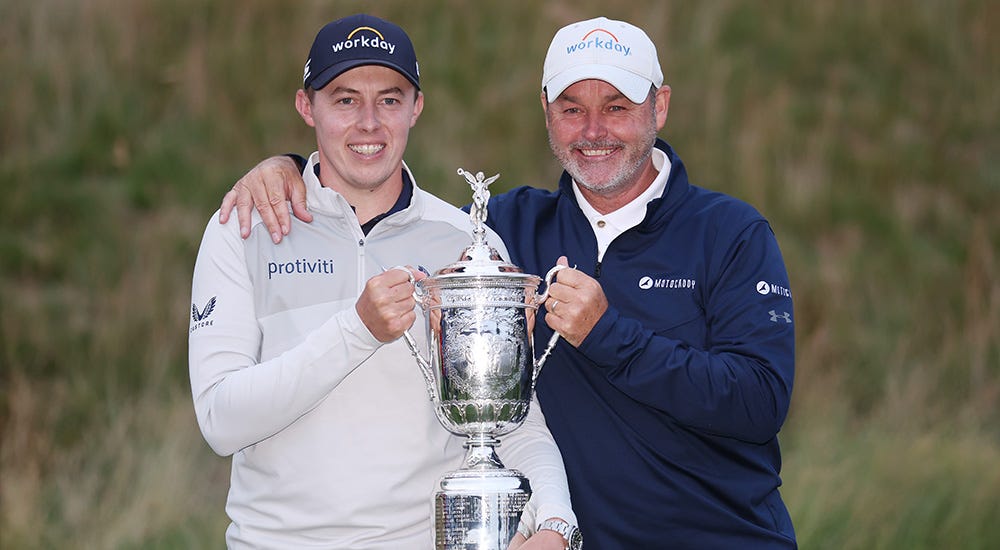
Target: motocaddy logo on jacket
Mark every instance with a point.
(764, 288)
(647, 283)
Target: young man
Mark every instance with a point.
(676, 372)
(297, 366)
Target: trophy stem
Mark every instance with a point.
(481, 453)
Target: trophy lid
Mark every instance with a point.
(480, 259)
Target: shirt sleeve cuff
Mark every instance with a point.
(358, 328)
(598, 346)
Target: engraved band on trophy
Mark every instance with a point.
(481, 375)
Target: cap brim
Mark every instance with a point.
(335, 70)
(633, 86)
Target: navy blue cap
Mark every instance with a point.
(359, 40)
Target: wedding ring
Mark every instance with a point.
(554, 304)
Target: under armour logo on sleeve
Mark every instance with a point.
(787, 317)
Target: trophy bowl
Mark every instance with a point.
(482, 353)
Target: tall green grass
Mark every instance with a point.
(867, 134)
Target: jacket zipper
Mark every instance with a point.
(361, 266)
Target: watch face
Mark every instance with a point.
(576, 540)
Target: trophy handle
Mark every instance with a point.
(424, 364)
(549, 277)
(539, 300)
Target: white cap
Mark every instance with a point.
(603, 49)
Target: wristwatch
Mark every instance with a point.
(569, 532)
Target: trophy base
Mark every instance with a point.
(479, 509)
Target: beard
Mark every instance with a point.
(621, 176)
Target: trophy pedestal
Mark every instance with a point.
(479, 509)
(479, 506)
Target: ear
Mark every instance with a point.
(545, 107)
(662, 106)
(418, 107)
(304, 107)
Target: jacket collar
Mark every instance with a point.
(327, 201)
(659, 209)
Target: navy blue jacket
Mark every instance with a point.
(667, 415)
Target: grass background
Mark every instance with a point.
(867, 132)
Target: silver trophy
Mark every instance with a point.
(481, 375)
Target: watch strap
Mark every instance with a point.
(569, 532)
